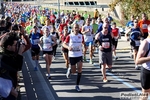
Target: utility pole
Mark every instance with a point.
(58, 7)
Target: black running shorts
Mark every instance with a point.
(145, 78)
(75, 60)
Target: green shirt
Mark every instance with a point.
(85, 16)
(95, 27)
(28, 29)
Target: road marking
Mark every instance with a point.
(122, 81)
(44, 85)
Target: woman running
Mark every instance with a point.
(48, 42)
(64, 50)
(56, 36)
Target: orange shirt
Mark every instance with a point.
(144, 25)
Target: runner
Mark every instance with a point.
(143, 57)
(56, 36)
(95, 28)
(74, 43)
(64, 50)
(105, 52)
(143, 25)
(35, 49)
(116, 34)
(135, 39)
(128, 26)
(48, 42)
(87, 32)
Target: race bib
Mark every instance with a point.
(47, 46)
(137, 42)
(88, 34)
(106, 45)
(144, 26)
(35, 42)
(76, 48)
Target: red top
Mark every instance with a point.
(61, 27)
(115, 31)
(52, 18)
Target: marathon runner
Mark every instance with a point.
(73, 43)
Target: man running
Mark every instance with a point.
(105, 52)
(87, 32)
(35, 49)
(135, 33)
(74, 43)
(143, 57)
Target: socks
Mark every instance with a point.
(78, 78)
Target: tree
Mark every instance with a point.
(131, 7)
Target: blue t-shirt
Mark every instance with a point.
(34, 38)
(130, 24)
(135, 33)
(100, 28)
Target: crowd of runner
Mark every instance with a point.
(76, 33)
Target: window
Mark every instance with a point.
(93, 2)
(71, 3)
(76, 3)
(87, 3)
(65, 3)
(81, 3)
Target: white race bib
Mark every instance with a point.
(137, 42)
(76, 48)
(144, 26)
(106, 45)
(35, 42)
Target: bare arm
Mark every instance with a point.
(84, 31)
(54, 40)
(141, 53)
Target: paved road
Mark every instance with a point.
(123, 78)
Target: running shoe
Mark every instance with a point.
(68, 74)
(137, 67)
(91, 62)
(116, 58)
(35, 69)
(105, 80)
(109, 70)
(49, 77)
(78, 88)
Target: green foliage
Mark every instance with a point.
(132, 7)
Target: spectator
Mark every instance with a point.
(96, 14)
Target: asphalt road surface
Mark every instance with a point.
(123, 79)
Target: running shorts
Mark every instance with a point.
(75, 60)
(145, 78)
(105, 58)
